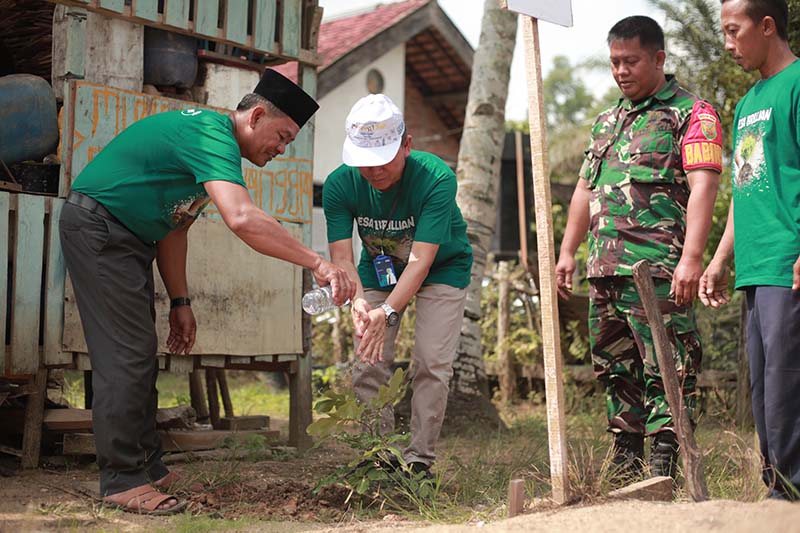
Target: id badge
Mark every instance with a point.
(384, 269)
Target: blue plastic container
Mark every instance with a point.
(28, 118)
(170, 59)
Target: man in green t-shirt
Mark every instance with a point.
(134, 203)
(763, 230)
(414, 244)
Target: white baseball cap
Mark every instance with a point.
(374, 130)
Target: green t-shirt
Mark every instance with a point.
(150, 177)
(766, 180)
(425, 210)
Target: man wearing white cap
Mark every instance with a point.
(414, 243)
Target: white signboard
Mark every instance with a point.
(555, 11)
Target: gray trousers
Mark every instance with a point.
(773, 344)
(112, 274)
(440, 311)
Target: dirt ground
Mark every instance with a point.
(276, 496)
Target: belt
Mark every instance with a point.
(90, 204)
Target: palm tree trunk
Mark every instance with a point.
(478, 174)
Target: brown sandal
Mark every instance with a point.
(144, 500)
(174, 482)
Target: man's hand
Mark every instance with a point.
(713, 288)
(685, 280)
(182, 330)
(564, 271)
(796, 275)
(360, 310)
(329, 274)
(370, 347)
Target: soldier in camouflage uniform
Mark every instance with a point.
(646, 191)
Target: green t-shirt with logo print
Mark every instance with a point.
(425, 210)
(766, 180)
(151, 175)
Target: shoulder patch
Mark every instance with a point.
(702, 142)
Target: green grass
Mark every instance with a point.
(474, 469)
(250, 396)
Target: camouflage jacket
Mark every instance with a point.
(636, 166)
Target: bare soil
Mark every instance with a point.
(277, 496)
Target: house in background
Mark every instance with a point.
(410, 51)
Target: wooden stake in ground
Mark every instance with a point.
(508, 378)
(691, 456)
(559, 13)
(516, 497)
(551, 335)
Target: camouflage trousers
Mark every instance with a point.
(624, 355)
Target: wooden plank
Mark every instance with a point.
(82, 361)
(181, 364)
(264, 24)
(241, 423)
(176, 13)
(172, 441)
(236, 21)
(69, 47)
(657, 489)
(57, 420)
(28, 258)
(34, 412)
(117, 6)
(551, 337)
(212, 361)
(206, 17)
(5, 202)
(146, 9)
(225, 393)
(54, 355)
(306, 57)
(691, 455)
(291, 24)
(516, 497)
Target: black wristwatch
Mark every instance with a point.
(392, 318)
(175, 302)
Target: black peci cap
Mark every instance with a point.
(286, 96)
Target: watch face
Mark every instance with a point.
(392, 319)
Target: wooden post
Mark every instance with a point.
(551, 338)
(516, 497)
(34, 417)
(222, 379)
(198, 395)
(508, 379)
(213, 397)
(691, 456)
(300, 385)
(744, 406)
(88, 390)
(521, 208)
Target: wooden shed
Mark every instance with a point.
(247, 305)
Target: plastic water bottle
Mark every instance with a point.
(318, 300)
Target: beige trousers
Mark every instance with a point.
(440, 310)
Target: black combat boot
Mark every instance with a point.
(628, 459)
(664, 454)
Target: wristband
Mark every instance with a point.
(175, 302)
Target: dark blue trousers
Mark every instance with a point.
(773, 344)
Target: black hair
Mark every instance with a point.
(250, 100)
(778, 10)
(646, 29)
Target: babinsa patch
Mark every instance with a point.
(708, 125)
